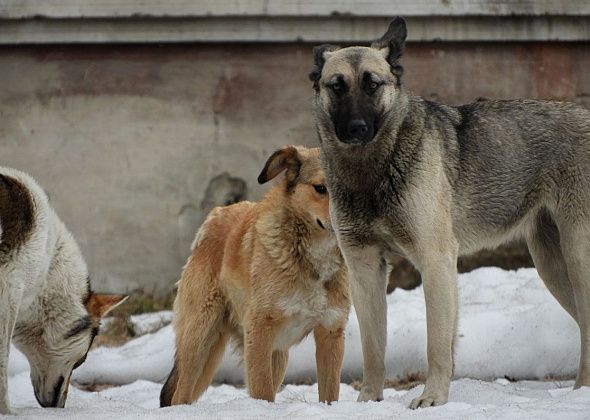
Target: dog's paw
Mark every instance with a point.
(5, 410)
(428, 400)
(370, 395)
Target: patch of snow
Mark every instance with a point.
(150, 323)
(469, 399)
(145, 323)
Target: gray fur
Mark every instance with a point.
(438, 181)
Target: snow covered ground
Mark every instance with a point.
(469, 399)
(509, 325)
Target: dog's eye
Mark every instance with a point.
(373, 86)
(320, 189)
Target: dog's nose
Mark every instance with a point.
(357, 128)
(53, 397)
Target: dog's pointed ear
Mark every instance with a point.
(392, 44)
(285, 158)
(320, 54)
(98, 305)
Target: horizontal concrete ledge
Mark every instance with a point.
(284, 29)
(58, 9)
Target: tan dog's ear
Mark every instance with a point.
(99, 305)
(285, 158)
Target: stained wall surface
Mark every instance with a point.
(127, 138)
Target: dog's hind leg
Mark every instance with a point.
(544, 247)
(10, 297)
(575, 245)
(367, 273)
(329, 344)
(279, 367)
(211, 365)
(199, 332)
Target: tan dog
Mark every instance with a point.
(266, 274)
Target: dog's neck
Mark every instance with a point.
(294, 242)
(324, 256)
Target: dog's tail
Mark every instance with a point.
(169, 387)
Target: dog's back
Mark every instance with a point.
(218, 243)
(515, 158)
(28, 226)
(221, 221)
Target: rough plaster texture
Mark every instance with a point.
(126, 138)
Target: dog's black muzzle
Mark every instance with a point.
(355, 131)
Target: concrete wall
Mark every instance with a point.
(145, 21)
(126, 138)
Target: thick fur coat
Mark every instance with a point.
(46, 306)
(266, 275)
(430, 182)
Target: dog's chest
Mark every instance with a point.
(306, 308)
(326, 259)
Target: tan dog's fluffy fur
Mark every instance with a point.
(266, 274)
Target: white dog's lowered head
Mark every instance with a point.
(64, 345)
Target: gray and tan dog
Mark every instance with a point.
(431, 182)
(46, 306)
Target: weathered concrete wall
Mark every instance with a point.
(127, 138)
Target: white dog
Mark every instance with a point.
(46, 305)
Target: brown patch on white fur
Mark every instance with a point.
(265, 274)
(17, 214)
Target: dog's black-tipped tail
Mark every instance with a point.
(169, 387)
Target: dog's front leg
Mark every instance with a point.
(9, 303)
(5, 333)
(367, 275)
(329, 344)
(439, 275)
(259, 337)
